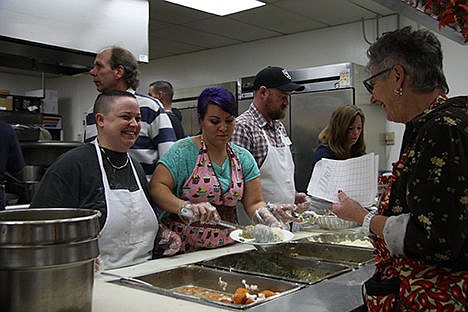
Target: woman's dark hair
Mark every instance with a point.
(335, 133)
(121, 56)
(219, 96)
(419, 52)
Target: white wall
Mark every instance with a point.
(327, 46)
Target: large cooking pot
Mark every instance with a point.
(47, 259)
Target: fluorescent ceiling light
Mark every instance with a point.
(219, 7)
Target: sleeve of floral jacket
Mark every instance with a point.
(433, 187)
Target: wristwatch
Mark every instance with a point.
(366, 223)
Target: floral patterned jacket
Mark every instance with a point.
(433, 185)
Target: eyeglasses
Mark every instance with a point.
(369, 83)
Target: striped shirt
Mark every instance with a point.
(248, 133)
(156, 134)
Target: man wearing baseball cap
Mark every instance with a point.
(260, 130)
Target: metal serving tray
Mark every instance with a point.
(167, 283)
(355, 256)
(339, 237)
(281, 266)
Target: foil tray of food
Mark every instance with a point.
(355, 256)
(339, 237)
(212, 286)
(270, 264)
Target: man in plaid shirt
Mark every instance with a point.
(260, 130)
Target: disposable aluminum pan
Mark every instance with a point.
(355, 256)
(306, 270)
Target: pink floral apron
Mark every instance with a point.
(417, 286)
(203, 186)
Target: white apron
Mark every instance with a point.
(128, 234)
(277, 173)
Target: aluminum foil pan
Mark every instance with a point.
(331, 222)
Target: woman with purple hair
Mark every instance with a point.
(207, 176)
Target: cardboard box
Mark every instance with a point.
(6, 103)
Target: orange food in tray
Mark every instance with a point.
(267, 293)
(240, 296)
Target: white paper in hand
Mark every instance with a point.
(357, 177)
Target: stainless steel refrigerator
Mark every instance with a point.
(326, 88)
(186, 99)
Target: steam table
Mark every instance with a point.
(341, 293)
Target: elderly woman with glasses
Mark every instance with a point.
(420, 230)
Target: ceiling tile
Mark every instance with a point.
(372, 6)
(161, 47)
(194, 37)
(233, 29)
(277, 19)
(334, 12)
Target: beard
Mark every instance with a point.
(275, 114)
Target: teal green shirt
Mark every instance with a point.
(181, 158)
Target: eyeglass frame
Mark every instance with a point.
(370, 87)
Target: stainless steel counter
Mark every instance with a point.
(341, 293)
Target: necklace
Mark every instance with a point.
(115, 166)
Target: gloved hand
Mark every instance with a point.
(302, 202)
(283, 212)
(264, 216)
(169, 241)
(202, 212)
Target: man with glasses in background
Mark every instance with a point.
(260, 130)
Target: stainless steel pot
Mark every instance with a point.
(29, 189)
(47, 259)
(32, 173)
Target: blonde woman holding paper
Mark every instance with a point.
(343, 137)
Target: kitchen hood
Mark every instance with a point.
(32, 56)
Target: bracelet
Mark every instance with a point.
(366, 223)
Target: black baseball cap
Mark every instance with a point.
(276, 77)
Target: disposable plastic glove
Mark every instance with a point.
(264, 216)
(170, 242)
(202, 212)
(302, 202)
(283, 212)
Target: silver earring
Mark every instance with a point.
(398, 91)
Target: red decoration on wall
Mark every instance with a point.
(452, 13)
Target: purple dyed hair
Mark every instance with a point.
(219, 96)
